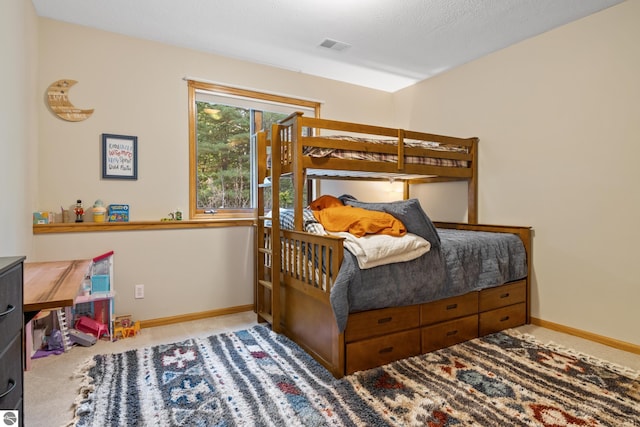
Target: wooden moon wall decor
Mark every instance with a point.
(58, 99)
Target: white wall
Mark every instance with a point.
(18, 125)
(184, 271)
(558, 122)
(370, 191)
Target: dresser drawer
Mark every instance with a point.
(368, 324)
(382, 350)
(502, 318)
(449, 308)
(10, 304)
(449, 333)
(11, 374)
(502, 296)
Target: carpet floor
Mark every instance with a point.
(255, 377)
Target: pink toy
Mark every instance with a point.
(88, 325)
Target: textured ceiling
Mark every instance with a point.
(392, 44)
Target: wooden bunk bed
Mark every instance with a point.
(295, 270)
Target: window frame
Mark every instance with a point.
(193, 86)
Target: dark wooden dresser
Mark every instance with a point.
(11, 333)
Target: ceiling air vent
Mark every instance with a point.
(334, 45)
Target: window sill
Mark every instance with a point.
(83, 227)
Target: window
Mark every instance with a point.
(223, 122)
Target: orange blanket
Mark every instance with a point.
(357, 221)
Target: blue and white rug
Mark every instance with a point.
(246, 378)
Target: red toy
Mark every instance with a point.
(88, 325)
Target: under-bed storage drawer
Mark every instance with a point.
(502, 318)
(449, 333)
(379, 351)
(502, 296)
(367, 324)
(449, 308)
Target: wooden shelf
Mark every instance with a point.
(84, 227)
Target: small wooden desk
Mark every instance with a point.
(49, 285)
(56, 284)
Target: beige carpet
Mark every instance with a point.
(50, 388)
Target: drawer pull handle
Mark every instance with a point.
(384, 320)
(386, 350)
(451, 333)
(12, 385)
(9, 309)
(505, 295)
(452, 306)
(504, 319)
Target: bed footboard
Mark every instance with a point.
(309, 265)
(310, 262)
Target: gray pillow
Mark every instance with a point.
(409, 212)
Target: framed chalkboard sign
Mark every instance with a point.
(119, 156)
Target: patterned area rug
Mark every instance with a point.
(504, 379)
(255, 377)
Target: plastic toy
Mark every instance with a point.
(132, 331)
(118, 332)
(89, 326)
(79, 211)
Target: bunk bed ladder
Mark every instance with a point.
(267, 241)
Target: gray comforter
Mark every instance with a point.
(465, 261)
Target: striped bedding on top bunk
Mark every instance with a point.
(351, 154)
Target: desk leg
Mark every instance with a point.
(28, 345)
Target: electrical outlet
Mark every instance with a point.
(139, 291)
